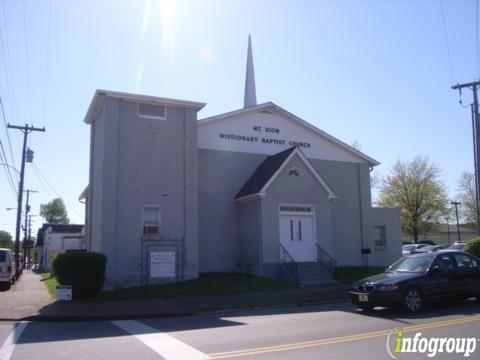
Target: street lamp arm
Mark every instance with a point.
(11, 167)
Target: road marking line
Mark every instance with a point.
(8, 346)
(340, 339)
(163, 344)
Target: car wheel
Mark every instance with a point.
(366, 308)
(413, 300)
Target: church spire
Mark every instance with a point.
(250, 98)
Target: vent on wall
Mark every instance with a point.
(152, 111)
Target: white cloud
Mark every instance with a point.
(205, 53)
(146, 18)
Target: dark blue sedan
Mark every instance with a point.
(414, 280)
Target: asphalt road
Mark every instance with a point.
(337, 331)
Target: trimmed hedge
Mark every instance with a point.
(85, 271)
(473, 246)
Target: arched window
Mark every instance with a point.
(294, 172)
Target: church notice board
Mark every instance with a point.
(163, 264)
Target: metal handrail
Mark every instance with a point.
(327, 260)
(290, 265)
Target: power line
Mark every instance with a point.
(26, 60)
(55, 191)
(477, 59)
(446, 42)
(8, 136)
(40, 181)
(6, 56)
(6, 168)
(46, 63)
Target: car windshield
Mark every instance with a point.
(456, 246)
(408, 247)
(411, 264)
(428, 248)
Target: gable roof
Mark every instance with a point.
(271, 107)
(263, 173)
(269, 170)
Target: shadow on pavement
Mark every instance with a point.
(431, 311)
(38, 332)
(47, 331)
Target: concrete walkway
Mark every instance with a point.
(25, 298)
(28, 299)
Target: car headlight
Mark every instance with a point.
(385, 288)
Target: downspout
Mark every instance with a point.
(361, 212)
(260, 236)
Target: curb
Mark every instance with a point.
(211, 311)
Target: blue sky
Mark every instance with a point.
(373, 72)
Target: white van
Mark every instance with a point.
(7, 267)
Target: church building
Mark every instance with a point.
(256, 190)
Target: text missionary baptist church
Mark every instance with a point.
(255, 190)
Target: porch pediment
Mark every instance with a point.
(266, 173)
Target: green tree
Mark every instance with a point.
(467, 196)
(6, 240)
(54, 212)
(417, 189)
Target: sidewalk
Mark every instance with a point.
(35, 303)
(25, 298)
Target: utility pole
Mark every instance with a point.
(30, 238)
(27, 210)
(25, 130)
(476, 140)
(456, 203)
(448, 230)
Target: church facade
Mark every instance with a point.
(256, 190)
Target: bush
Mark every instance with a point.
(473, 246)
(85, 271)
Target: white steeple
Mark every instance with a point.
(250, 98)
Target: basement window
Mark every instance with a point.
(152, 111)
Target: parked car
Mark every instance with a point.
(413, 280)
(428, 248)
(408, 249)
(427, 242)
(457, 246)
(7, 267)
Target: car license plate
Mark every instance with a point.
(363, 297)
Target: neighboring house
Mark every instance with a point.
(53, 239)
(250, 190)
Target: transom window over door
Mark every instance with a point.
(151, 220)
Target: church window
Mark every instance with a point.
(294, 172)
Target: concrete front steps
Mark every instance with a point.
(310, 274)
